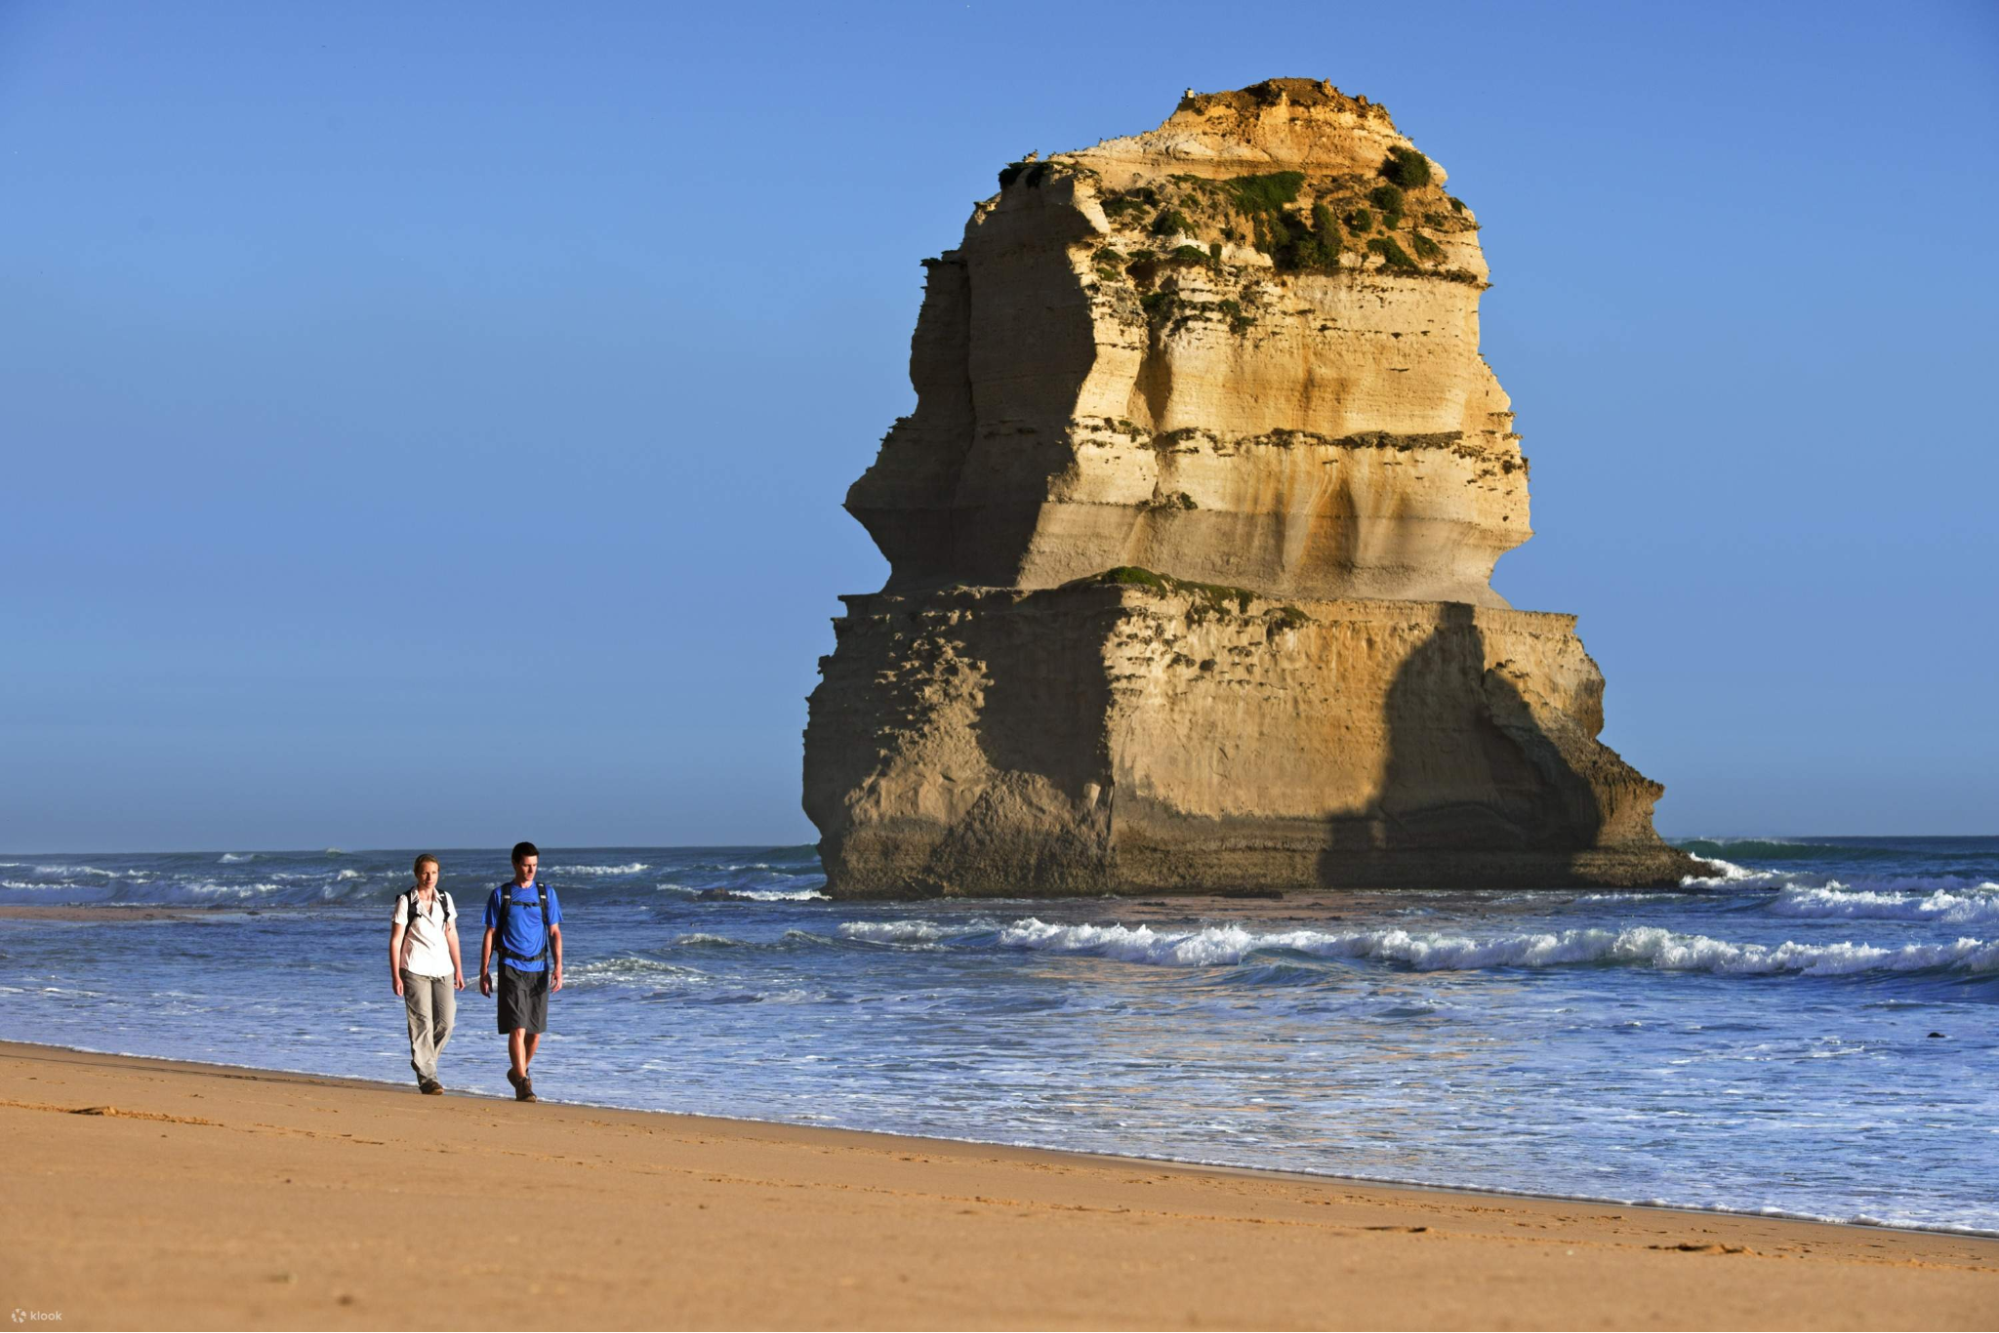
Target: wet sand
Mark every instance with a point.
(156, 1193)
(99, 912)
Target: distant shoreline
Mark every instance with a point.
(292, 1186)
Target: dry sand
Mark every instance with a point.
(151, 1193)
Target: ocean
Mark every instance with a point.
(1811, 1033)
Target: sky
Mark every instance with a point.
(427, 425)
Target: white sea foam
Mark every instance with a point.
(701, 939)
(208, 890)
(1733, 876)
(1841, 902)
(893, 932)
(777, 895)
(635, 868)
(1638, 946)
(1649, 897)
(627, 969)
(237, 858)
(1797, 888)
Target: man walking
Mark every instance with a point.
(524, 928)
(424, 968)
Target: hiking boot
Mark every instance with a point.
(430, 1087)
(524, 1090)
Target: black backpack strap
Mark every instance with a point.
(547, 937)
(409, 921)
(500, 935)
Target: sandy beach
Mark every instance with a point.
(156, 1193)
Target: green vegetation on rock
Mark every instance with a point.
(1289, 617)
(1265, 194)
(1130, 201)
(1303, 223)
(1406, 167)
(1392, 255)
(1390, 201)
(1204, 599)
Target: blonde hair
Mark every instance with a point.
(416, 867)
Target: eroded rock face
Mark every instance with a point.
(1111, 739)
(1191, 535)
(1178, 351)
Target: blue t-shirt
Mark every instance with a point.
(523, 939)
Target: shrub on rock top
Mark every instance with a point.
(1407, 168)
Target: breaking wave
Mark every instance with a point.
(1733, 876)
(629, 969)
(893, 932)
(1977, 904)
(1637, 946)
(1806, 893)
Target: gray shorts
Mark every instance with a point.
(523, 1000)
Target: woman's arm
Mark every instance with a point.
(396, 957)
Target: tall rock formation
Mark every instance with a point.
(1191, 537)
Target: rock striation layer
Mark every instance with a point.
(1191, 535)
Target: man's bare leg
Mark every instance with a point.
(520, 1049)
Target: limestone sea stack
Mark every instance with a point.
(1191, 536)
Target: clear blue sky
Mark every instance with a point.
(428, 424)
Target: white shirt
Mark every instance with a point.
(425, 950)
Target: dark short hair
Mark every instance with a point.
(523, 850)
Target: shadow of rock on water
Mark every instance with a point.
(1479, 785)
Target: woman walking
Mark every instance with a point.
(424, 968)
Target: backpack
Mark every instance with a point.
(500, 953)
(415, 899)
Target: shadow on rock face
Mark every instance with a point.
(1043, 819)
(1471, 770)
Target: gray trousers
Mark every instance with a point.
(432, 1007)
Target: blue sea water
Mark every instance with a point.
(1811, 1032)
